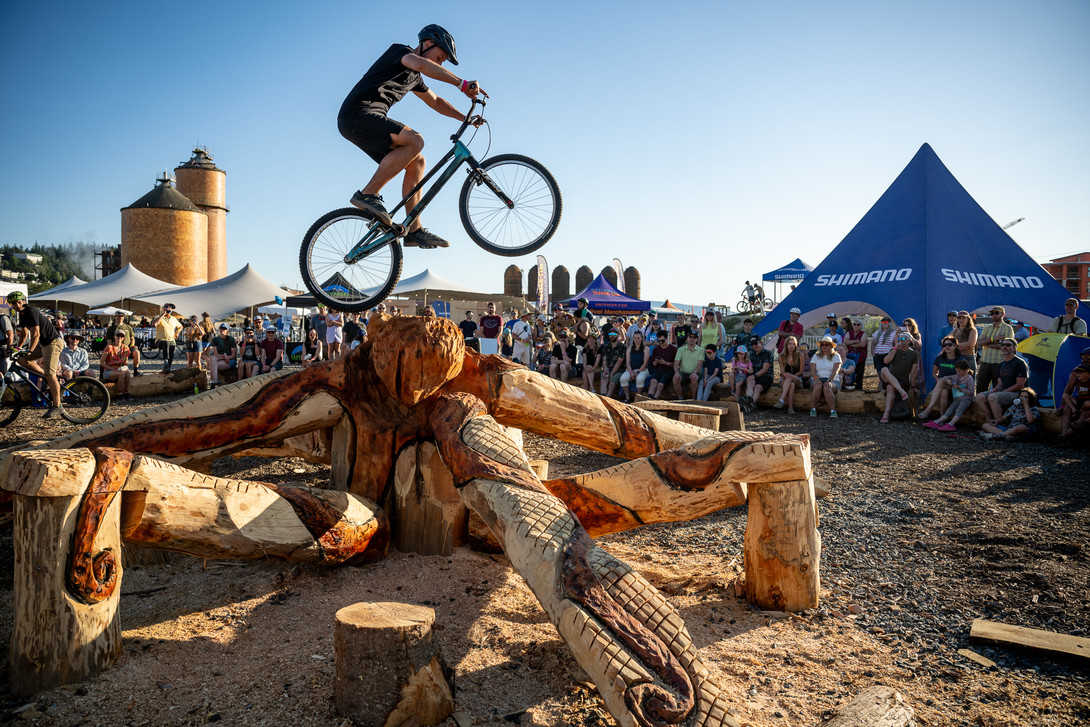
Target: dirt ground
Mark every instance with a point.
(923, 532)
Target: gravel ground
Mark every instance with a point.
(923, 533)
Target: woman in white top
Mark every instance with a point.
(882, 342)
(334, 333)
(825, 376)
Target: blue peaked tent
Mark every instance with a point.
(925, 248)
(604, 299)
(795, 270)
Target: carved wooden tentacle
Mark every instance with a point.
(619, 628)
(92, 576)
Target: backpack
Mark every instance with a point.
(901, 410)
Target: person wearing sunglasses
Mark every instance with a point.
(943, 370)
(1012, 373)
(901, 367)
(990, 340)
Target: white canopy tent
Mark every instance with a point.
(431, 285)
(108, 311)
(238, 291)
(52, 293)
(128, 283)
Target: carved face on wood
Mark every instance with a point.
(415, 357)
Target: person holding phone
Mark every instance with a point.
(167, 325)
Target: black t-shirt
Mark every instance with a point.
(1011, 371)
(570, 350)
(469, 328)
(946, 365)
(385, 83)
(31, 317)
(760, 359)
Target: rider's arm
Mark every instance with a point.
(34, 334)
(432, 69)
(440, 104)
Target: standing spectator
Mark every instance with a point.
(1021, 333)
(334, 334)
(562, 320)
(522, 334)
(712, 332)
(468, 326)
(208, 332)
(790, 373)
(951, 323)
(832, 330)
(1020, 419)
(662, 366)
(825, 366)
(902, 365)
(790, 327)
(318, 321)
(119, 324)
(351, 329)
(167, 325)
(687, 365)
(961, 387)
(224, 354)
(855, 343)
(712, 373)
(883, 341)
(114, 364)
(637, 359)
(965, 334)
(1012, 373)
(584, 323)
(491, 325)
(563, 357)
(272, 351)
(313, 347)
(192, 336)
(943, 371)
(512, 319)
(740, 369)
(1075, 411)
(1069, 322)
(591, 363)
(74, 360)
(990, 342)
(682, 328)
(507, 344)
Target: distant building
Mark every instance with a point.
(1073, 272)
(29, 257)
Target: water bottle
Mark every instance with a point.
(196, 390)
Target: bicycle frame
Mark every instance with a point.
(17, 371)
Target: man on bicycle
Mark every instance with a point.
(363, 120)
(43, 343)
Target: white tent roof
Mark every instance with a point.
(221, 297)
(431, 282)
(126, 284)
(50, 294)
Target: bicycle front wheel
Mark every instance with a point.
(84, 400)
(149, 350)
(519, 224)
(353, 287)
(11, 403)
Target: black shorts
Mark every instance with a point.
(370, 132)
(765, 381)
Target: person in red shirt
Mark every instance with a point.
(271, 354)
(790, 327)
(490, 328)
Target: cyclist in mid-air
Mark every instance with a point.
(363, 120)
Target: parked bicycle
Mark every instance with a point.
(509, 204)
(755, 306)
(83, 399)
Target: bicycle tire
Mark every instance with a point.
(522, 229)
(84, 400)
(744, 306)
(11, 403)
(149, 351)
(321, 261)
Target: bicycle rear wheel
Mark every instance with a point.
(11, 403)
(84, 400)
(353, 287)
(148, 349)
(528, 223)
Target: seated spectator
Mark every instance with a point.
(942, 371)
(687, 365)
(272, 350)
(592, 363)
(313, 349)
(1020, 421)
(612, 355)
(804, 356)
(847, 368)
(1075, 409)
(711, 372)
(910, 327)
(791, 362)
(115, 367)
(825, 367)
(762, 377)
(790, 327)
(883, 341)
(745, 338)
(637, 359)
(223, 355)
(74, 360)
(900, 368)
(249, 365)
(1069, 322)
(832, 331)
(563, 358)
(662, 366)
(1012, 373)
(962, 388)
(740, 370)
(544, 357)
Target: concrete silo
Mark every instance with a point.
(584, 276)
(166, 236)
(512, 281)
(205, 185)
(632, 282)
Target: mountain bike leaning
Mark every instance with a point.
(509, 204)
(83, 399)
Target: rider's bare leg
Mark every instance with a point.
(406, 147)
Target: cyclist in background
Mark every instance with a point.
(748, 293)
(363, 120)
(43, 343)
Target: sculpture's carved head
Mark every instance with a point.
(414, 357)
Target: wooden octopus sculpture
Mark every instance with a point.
(415, 382)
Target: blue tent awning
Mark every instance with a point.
(795, 270)
(603, 299)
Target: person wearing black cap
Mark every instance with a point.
(951, 322)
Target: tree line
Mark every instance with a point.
(59, 263)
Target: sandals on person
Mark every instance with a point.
(884, 420)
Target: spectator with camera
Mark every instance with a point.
(167, 325)
(900, 369)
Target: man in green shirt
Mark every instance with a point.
(989, 340)
(687, 364)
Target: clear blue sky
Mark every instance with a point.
(703, 142)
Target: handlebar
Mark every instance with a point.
(469, 118)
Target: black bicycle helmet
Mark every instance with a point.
(438, 35)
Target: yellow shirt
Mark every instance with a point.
(167, 328)
(990, 330)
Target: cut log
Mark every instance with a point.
(707, 421)
(427, 513)
(388, 666)
(1040, 640)
(875, 707)
(540, 468)
(57, 638)
(156, 383)
(782, 546)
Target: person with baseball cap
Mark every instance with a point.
(1069, 322)
(223, 354)
(1075, 412)
(990, 341)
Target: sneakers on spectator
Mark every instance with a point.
(849, 387)
(947, 428)
(372, 205)
(932, 425)
(423, 238)
(813, 412)
(778, 404)
(832, 414)
(987, 435)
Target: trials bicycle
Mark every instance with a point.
(83, 399)
(509, 204)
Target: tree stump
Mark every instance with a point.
(427, 513)
(388, 666)
(782, 546)
(875, 707)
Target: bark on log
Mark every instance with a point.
(58, 639)
(427, 514)
(875, 707)
(782, 546)
(388, 666)
(156, 383)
